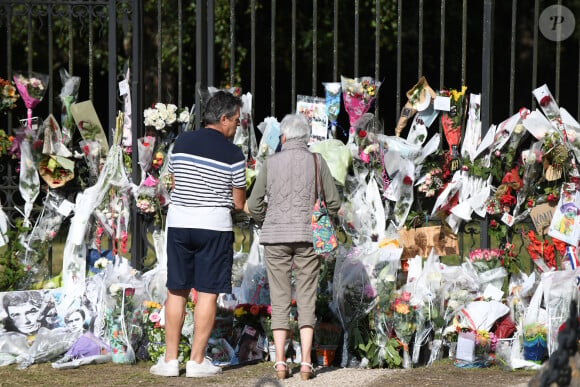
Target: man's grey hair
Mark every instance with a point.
(295, 127)
(221, 103)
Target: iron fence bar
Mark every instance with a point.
(8, 10)
(112, 64)
(314, 46)
(29, 39)
(420, 40)
(335, 43)
(50, 63)
(513, 56)
(253, 52)
(399, 61)
(535, 51)
(200, 56)
(486, 89)
(273, 59)
(356, 38)
(464, 44)
(91, 56)
(136, 80)
(180, 53)
(232, 40)
(293, 85)
(70, 42)
(558, 54)
(442, 47)
(159, 50)
(377, 54)
(210, 42)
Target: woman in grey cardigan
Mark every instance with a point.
(282, 201)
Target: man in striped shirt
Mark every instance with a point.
(209, 183)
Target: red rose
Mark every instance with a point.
(129, 292)
(493, 223)
(86, 150)
(407, 180)
(545, 101)
(254, 310)
(362, 133)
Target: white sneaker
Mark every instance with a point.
(162, 368)
(194, 369)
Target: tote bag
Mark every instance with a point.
(323, 234)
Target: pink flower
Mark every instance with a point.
(370, 292)
(154, 317)
(150, 181)
(364, 157)
(406, 296)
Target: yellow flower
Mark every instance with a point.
(402, 308)
(455, 95)
(239, 312)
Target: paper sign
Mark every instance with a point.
(272, 138)
(507, 219)
(442, 103)
(565, 224)
(420, 241)
(89, 125)
(542, 217)
(314, 109)
(465, 346)
(65, 208)
(123, 87)
(492, 292)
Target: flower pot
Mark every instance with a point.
(534, 348)
(325, 354)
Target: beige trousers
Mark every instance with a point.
(279, 261)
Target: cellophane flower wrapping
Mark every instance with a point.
(31, 90)
(8, 95)
(401, 191)
(270, 129)
(404, 323)
(152, 347)
(29, 183)
(353, 294)
(47, 346)
(124, 300)
(245, 136)
(91, 150)
(358, 96)
(332, 92)
(452, 121)
(145, 148)
(154, 280)
(355, 210)
(68, 95)
(337, 157)
(253, 289)
(559, 289)
(385, 284)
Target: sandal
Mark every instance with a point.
(282, 374)
(306, 375)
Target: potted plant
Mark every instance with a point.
(327, 336)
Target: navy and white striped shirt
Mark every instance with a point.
(206, 166)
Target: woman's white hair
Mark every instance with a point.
(295, 127)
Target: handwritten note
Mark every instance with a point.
(542, 217)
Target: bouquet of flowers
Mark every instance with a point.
(121, 319)
(153, 345)
(485, 259)
(452, 122)
(404, 323)
(485, 342)
(164, 117)
(431, 183)
(8, 96)
(31, 90)
(68, 95)
(332, 90)
(254, 315)
(358, 96)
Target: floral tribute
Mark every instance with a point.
(358, 96)
(404, 323)
(8, 96)
(31, 90)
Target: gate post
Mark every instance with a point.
(486, 90)
(137, 229)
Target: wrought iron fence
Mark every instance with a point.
(279, 49)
